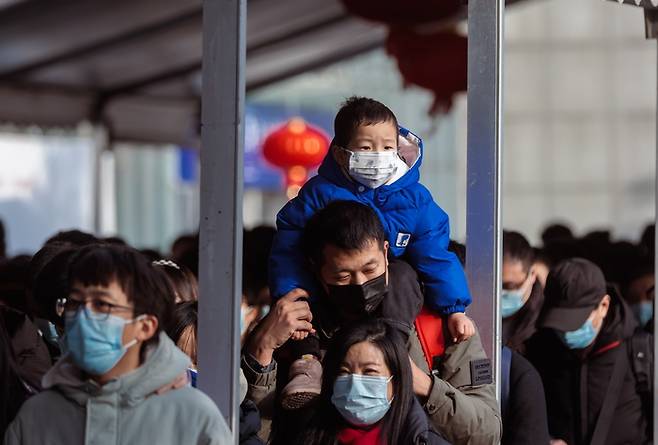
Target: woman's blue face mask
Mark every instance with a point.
(361, 399)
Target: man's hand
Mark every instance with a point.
(422, 382)
(286, 317)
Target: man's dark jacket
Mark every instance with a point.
(576, 382)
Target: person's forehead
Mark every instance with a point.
(513, 269)
(112, 289)
(364, 352)
(382, 129)
(335, 257)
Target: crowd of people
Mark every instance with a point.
(354, 326)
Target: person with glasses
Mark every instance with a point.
(106, 387)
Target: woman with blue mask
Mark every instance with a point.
(367, 392)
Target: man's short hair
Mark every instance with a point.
(517, 248)
(347, 225)
(357, 111)
(144, 284)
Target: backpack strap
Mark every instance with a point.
(429, 326)
(505, 375)
(610, 400)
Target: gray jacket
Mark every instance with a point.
(466, 414)
(74, 410)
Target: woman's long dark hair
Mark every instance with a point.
(327, 422)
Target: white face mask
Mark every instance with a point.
(372, 169)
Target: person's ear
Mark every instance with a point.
(146, 328)
(386, 245)
(604, 306)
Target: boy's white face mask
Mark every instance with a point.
(372, 169)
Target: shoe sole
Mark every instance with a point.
(298, 400)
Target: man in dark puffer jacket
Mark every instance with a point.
(581, 353)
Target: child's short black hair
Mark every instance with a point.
(348, 225)
(357, 111)
(144, 284)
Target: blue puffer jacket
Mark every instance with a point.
(415, 225)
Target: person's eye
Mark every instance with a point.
(343, 372)
(365, 147)
(370, 271)
(388, 147)
(343, 278)
(101, 305)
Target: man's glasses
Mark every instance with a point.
(101, 308)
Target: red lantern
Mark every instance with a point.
(436, 61)
(296, 147)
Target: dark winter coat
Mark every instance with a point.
(30, 351)
(417, 429)
(524, 419)
(249, 424)
(576, 382)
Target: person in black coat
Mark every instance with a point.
(581, 353)
(523, 404)
(522, 296)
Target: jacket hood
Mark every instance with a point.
(164, 362)
(410, 149)
(619, 324)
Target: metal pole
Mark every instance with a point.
(483, 215)
(220, 247)
(651, 29)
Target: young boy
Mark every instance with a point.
(373, 161)
(108, 387)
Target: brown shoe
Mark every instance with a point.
(305, 383)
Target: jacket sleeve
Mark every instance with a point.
(287, 269)
(261, 390)
(439, 269)
(463, 413)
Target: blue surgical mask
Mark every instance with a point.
(511, 301)
(94, 341)
(361, 399)
(643, 312)
(581, 337)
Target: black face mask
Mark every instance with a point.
(356, 301)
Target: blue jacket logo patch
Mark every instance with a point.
(403, 239)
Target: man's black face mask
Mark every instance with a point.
(356, 301)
